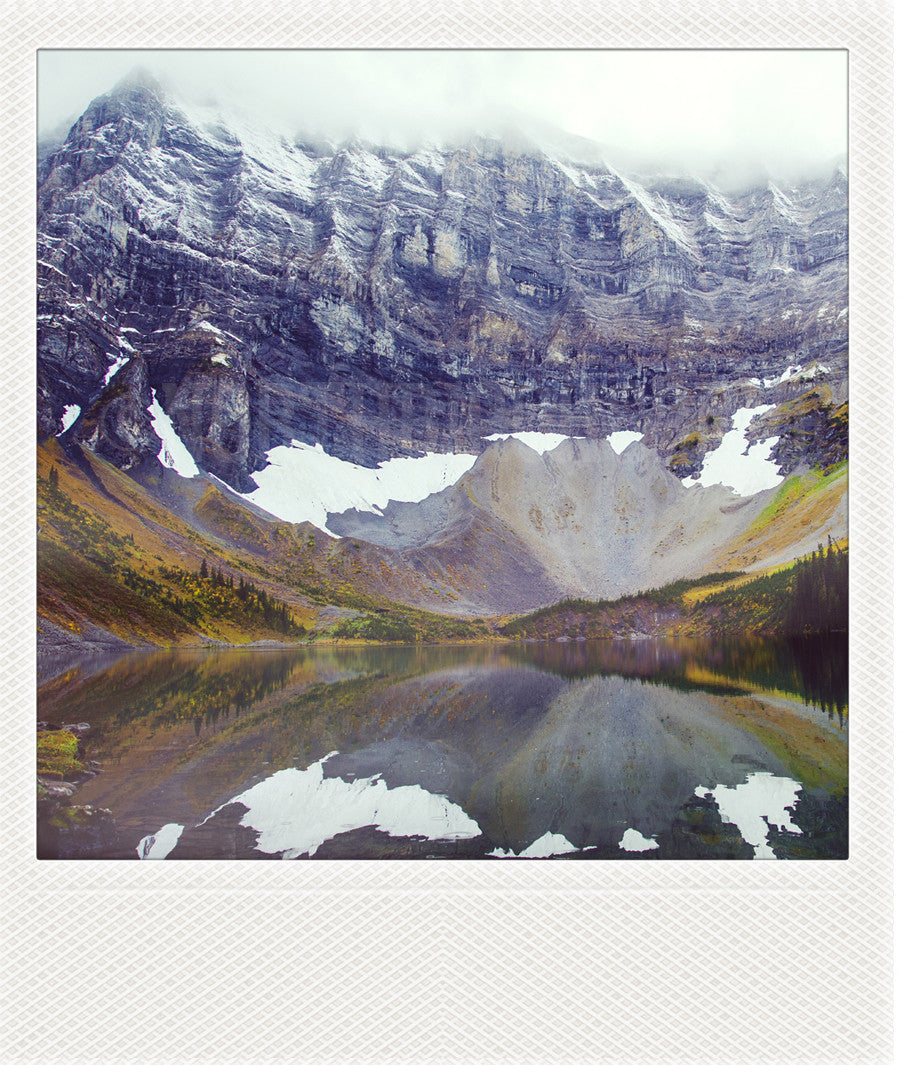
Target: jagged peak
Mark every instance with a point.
(133, 96)
(138, 78)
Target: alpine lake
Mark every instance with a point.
(626, 750)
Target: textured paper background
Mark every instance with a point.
(619, 962)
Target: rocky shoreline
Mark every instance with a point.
(66, 829)
(56, 642)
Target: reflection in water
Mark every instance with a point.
(633, 841)
(295, 811)
(603, 749)
(548, 846)
(761, 802)
(814, 668)
(161, 842)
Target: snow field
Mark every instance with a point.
(173, 453)
(792, 373)
(746, 468)
(295, 811)
(115, 367)
(70, 416)
(543, 442)
(636, 841)
(304, 483)
(621, 440)
(546, 846)
(161, 842)
(539, 442)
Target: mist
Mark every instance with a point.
(735, 113)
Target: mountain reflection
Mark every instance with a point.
(605, 749)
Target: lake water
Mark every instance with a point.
(604, 749)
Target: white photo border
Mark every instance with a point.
(654, 962)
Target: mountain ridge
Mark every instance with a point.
(264, 317)
(452, 296)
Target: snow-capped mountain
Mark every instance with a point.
(259, 291)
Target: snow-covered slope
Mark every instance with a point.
(304, 483)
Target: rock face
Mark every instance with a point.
(381, 303)
(117, 422)
(521, 530)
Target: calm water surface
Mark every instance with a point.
(603, 749)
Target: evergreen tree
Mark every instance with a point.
(819, 597)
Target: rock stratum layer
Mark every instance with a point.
(383, 303)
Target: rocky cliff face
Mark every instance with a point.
(382, 303)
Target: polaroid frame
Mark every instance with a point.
(656, 962)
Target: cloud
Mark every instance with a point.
(778, 110)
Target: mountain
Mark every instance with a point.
(336, 333)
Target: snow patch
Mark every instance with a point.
(635, 841)
(576, 177)
(302, 482)
(421, 188)
(116, 367)
(622, 439)
(295, 811)
(792, 373)
(720, 201)
(784, 206)
(50, 266)
(173, 454)
(546, 846)
(539, 442)
(216, 331)
(714, 222)
(762, 801)
(430, 157)
(744, 467)
(161, 842)
(267, 154)
(657, 209)
(70, 416)
(208, 328)
(814, 371)
(371, 168)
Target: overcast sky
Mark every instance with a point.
(782, 110)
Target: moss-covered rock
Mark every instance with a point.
(58, 754)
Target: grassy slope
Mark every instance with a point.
(801, 510)
(111, 554)
(717, 605)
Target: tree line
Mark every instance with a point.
(251, 600)
(275, 613)
(820, 593)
